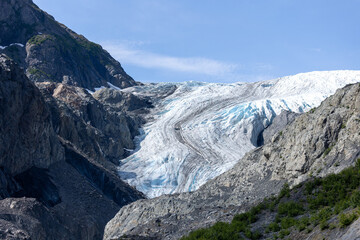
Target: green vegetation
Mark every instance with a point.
(74, 47)
(238, 228)
(284, 233)
(39, 73)
(291, 209)
(347, 219)
(80, 47)
(326, 152)
(273, 227)
(285, 191)
(93, 48)
(39, 39)
(327, 203)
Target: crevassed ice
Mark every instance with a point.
(203, 129)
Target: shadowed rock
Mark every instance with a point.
(277, 125)
(27, 136)
(50, 188)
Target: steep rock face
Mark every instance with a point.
(278, 124)
(123, 101)
(320, 142)
(50, 188)
(90, 194)
(51, 52)
(87, 196)
(24, 123)
(100, 132)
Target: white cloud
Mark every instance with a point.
(199, 65)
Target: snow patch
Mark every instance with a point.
(18, 44)
(89, 91)
(99, 88)
(12, 44)
(129, 150)
(113, 86)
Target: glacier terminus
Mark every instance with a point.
(200, 130)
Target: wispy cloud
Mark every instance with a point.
(127, 53)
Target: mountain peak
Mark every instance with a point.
(50, 51)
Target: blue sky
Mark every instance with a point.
(218, 41)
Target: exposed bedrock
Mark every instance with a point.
(25, 122)
(277, 125)
(50, 187)
(93, 125)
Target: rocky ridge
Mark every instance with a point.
(322, 141)
(49, 51)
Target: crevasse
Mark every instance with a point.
(202, 129)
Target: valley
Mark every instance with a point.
(87, 152)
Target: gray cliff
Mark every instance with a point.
(54, 182)
(101, 132)
(25, 122)
(277, 125)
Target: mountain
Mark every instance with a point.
(70, 114)
(322, 141)
(49, 51)
(60, 141)
(57, 180)
(201, 130)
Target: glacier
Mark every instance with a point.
(198, 131)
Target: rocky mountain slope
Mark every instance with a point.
(277, 125)
(324, 140)
(57, 179)
(49, 51)
(321, 208)
(99, 127)
(25, 122)
(60, 143)
(200, 130)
